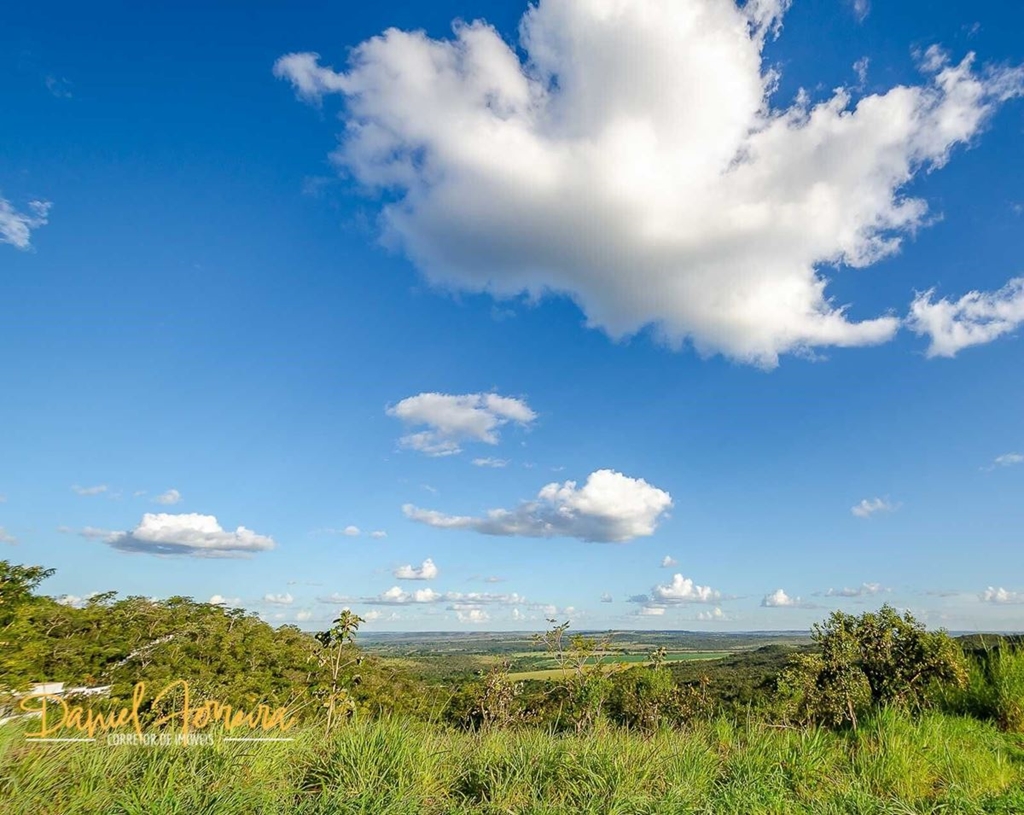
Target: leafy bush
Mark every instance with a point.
(879, 659)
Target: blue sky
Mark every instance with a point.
(712, 316)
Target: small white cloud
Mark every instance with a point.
(378, 534)
(683, 590)
(714, 615)
(303, 616)
(609, 508)
(221, 600)
(651, 611)
(491, 462)
(779, 599)
(169, 497)
(453, 419)
(351, 531)
(975, 319)
(279, 599)
(71, 600)
(868, 507)
(99, 489)
(185, 534)
(669, 562)
(606, 598)
(1001, 596)
(16, 227)
(861, 9)
(472, 615)
(6, 537)
(426, 571)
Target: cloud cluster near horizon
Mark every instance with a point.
(609, 508)
(633, 160)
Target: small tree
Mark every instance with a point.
(336, 644)
(498, 702)
(584, 681)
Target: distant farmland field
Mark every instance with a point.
(610, 661)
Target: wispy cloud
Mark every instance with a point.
(99, 489)
(1005, 460)
(863, 590)
(861, 9)
(16, 227)
(491, 462)
(168, 498)
(975, 319)
(58, 87)
(872, 506)
(452, 420)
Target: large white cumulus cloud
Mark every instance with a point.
(633, 162)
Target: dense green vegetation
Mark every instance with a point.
(872, 713)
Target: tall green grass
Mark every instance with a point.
(994, 689)
(891, 764)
